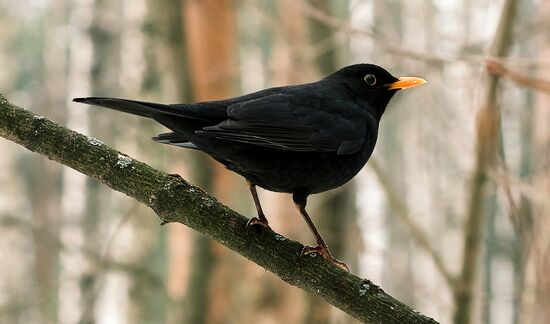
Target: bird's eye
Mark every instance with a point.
(370, 79)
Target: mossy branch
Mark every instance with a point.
(175, 200)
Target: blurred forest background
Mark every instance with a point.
(413, 221)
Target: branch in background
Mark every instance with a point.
(498, 69)
(175, 200)
(393, 47)
(487, 143)
(419, 235)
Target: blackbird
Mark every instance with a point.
(299, 139)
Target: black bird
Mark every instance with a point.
(300, 139)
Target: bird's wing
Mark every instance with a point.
(296, 123)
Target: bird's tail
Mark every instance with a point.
(134, 107)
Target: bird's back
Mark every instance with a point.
(287, 139)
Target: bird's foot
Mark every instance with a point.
(325, 253)
(257, 221)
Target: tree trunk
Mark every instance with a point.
(105, 36)
(210, 29)
(43, 179)
(488, 130)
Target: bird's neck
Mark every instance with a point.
(376, 106)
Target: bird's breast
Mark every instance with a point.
(313, 172)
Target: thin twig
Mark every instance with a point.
(498, 68)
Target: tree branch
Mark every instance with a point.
(175, 200)
(497, 68)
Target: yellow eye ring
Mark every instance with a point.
(370, 79)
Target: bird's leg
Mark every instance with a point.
(300, 201)
(261, 219)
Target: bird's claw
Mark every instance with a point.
(257, 221)
(325, 253)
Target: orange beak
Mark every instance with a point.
(406, 83)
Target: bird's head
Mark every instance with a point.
(373, 85)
